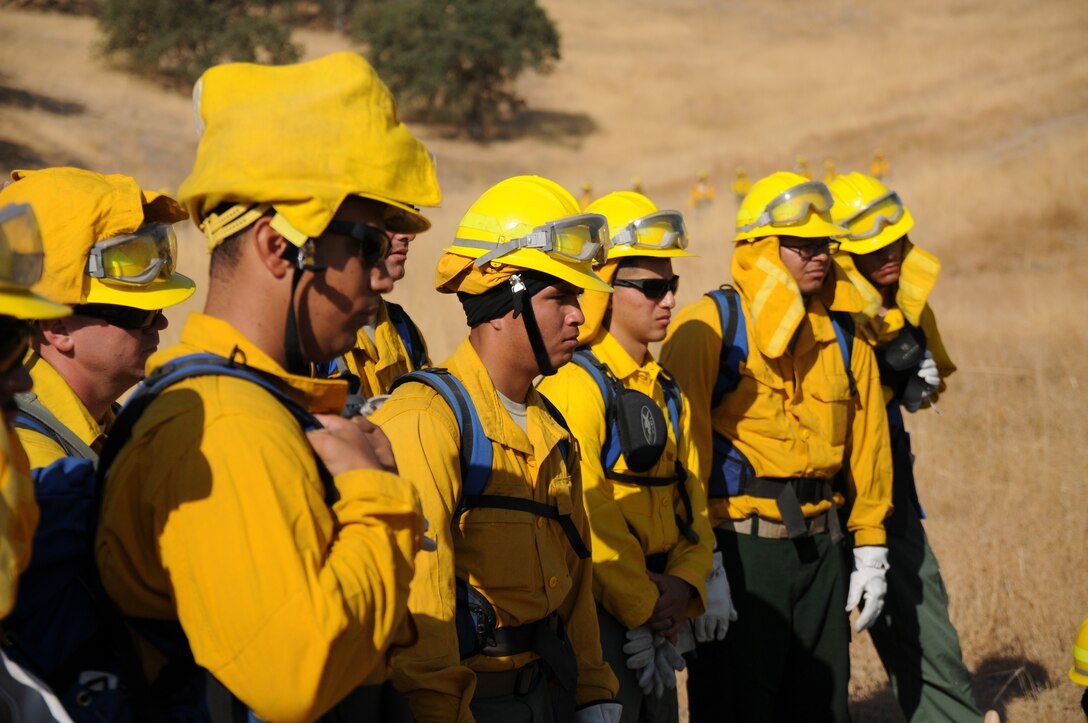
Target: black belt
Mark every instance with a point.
(509, 682)
(789, 493)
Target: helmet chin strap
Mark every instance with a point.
(292, 344)
(523, 305)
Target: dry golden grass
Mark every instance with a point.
(982, 107)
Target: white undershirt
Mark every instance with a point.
(518, 412)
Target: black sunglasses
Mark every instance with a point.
(123, 317)
(651, 288)
(14, 341)
(373, 242)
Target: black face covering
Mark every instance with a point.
(517, 297)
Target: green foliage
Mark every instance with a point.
(180, 40)
(456, 60)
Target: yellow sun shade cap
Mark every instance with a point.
(21, 259)
(302, 138)
(84, 214)
(524, 222)
(873, 214)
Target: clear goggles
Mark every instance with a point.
(21, 253)
(660, 230)
(872, 219)
(135, 258)
(793, 205)
(582, 239)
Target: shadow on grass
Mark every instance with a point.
(25, 99)
(554, 127)
(15, 155)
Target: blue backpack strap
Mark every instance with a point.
(408, 333)
(734, 341)
(843, 324)
(476, 452)
(31, 414)
(610, 451)
(477, 455)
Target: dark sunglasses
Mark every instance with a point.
(123, 317)
(651, 288)
(373, 242)
(14, 341)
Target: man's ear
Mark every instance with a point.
(57, 333)
(275, 252)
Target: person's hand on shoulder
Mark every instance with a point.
(349, 444)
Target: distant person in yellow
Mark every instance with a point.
(508, 628)
(914, 638)
(636, 184)
(829, 170)
(652, 542)
(880, 168)
(788, 425)
(1078, 673)
(801, 167)
(110, 252)
(280, 558)
(741, 185)
(587, 194)
(20, 269)
(389, 343)
(702, 193)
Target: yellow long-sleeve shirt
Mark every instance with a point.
(629, 521)
(64, 404)
(18, 516)
(215, 515)
(792, 415)
(523, 564)
(379, 361)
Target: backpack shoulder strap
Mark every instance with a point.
(408, 333)
(188, 367)
(606, 384)
(843, 323)
(476, 452)
(734, 341)
(564, 444)
(33, 415)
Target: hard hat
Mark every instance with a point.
(1079, 672)
(786, 204)
(301, 138)
(638, 228)
(106, 241)
(21, 266)
(873, 215)
(703, 175)
(529, 222)
(741, 171)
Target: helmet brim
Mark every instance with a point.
(159, 294)
(888, 235)
(814, 226)
(574, 273)
(24, 304)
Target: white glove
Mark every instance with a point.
(870, 567)
(639, 648)
(927, 370)
(713, 624)
(606, 712)
(646, 677)
(664, 673)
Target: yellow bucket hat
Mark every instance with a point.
(301, 138)
(77, 209)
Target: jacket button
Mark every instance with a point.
(540, 522)
(553, 581)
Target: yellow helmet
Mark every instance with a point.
(1079, 672)
(301, 138)
(106, 241)
(529, 222)
(873, 215)
(638, 228)
(786, 204)
(21, 266)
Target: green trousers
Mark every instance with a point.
(914, 636)
(637, 708)
(787, 656)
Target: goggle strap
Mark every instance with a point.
(218, 227)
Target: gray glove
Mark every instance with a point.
(639, 647)
(606, 712)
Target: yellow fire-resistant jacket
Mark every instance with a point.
(630, 521)
(215, 515)
(522, 563)
(18, 516)
(377, 363)
(918, 276)
(792, 414)
(59, 398)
